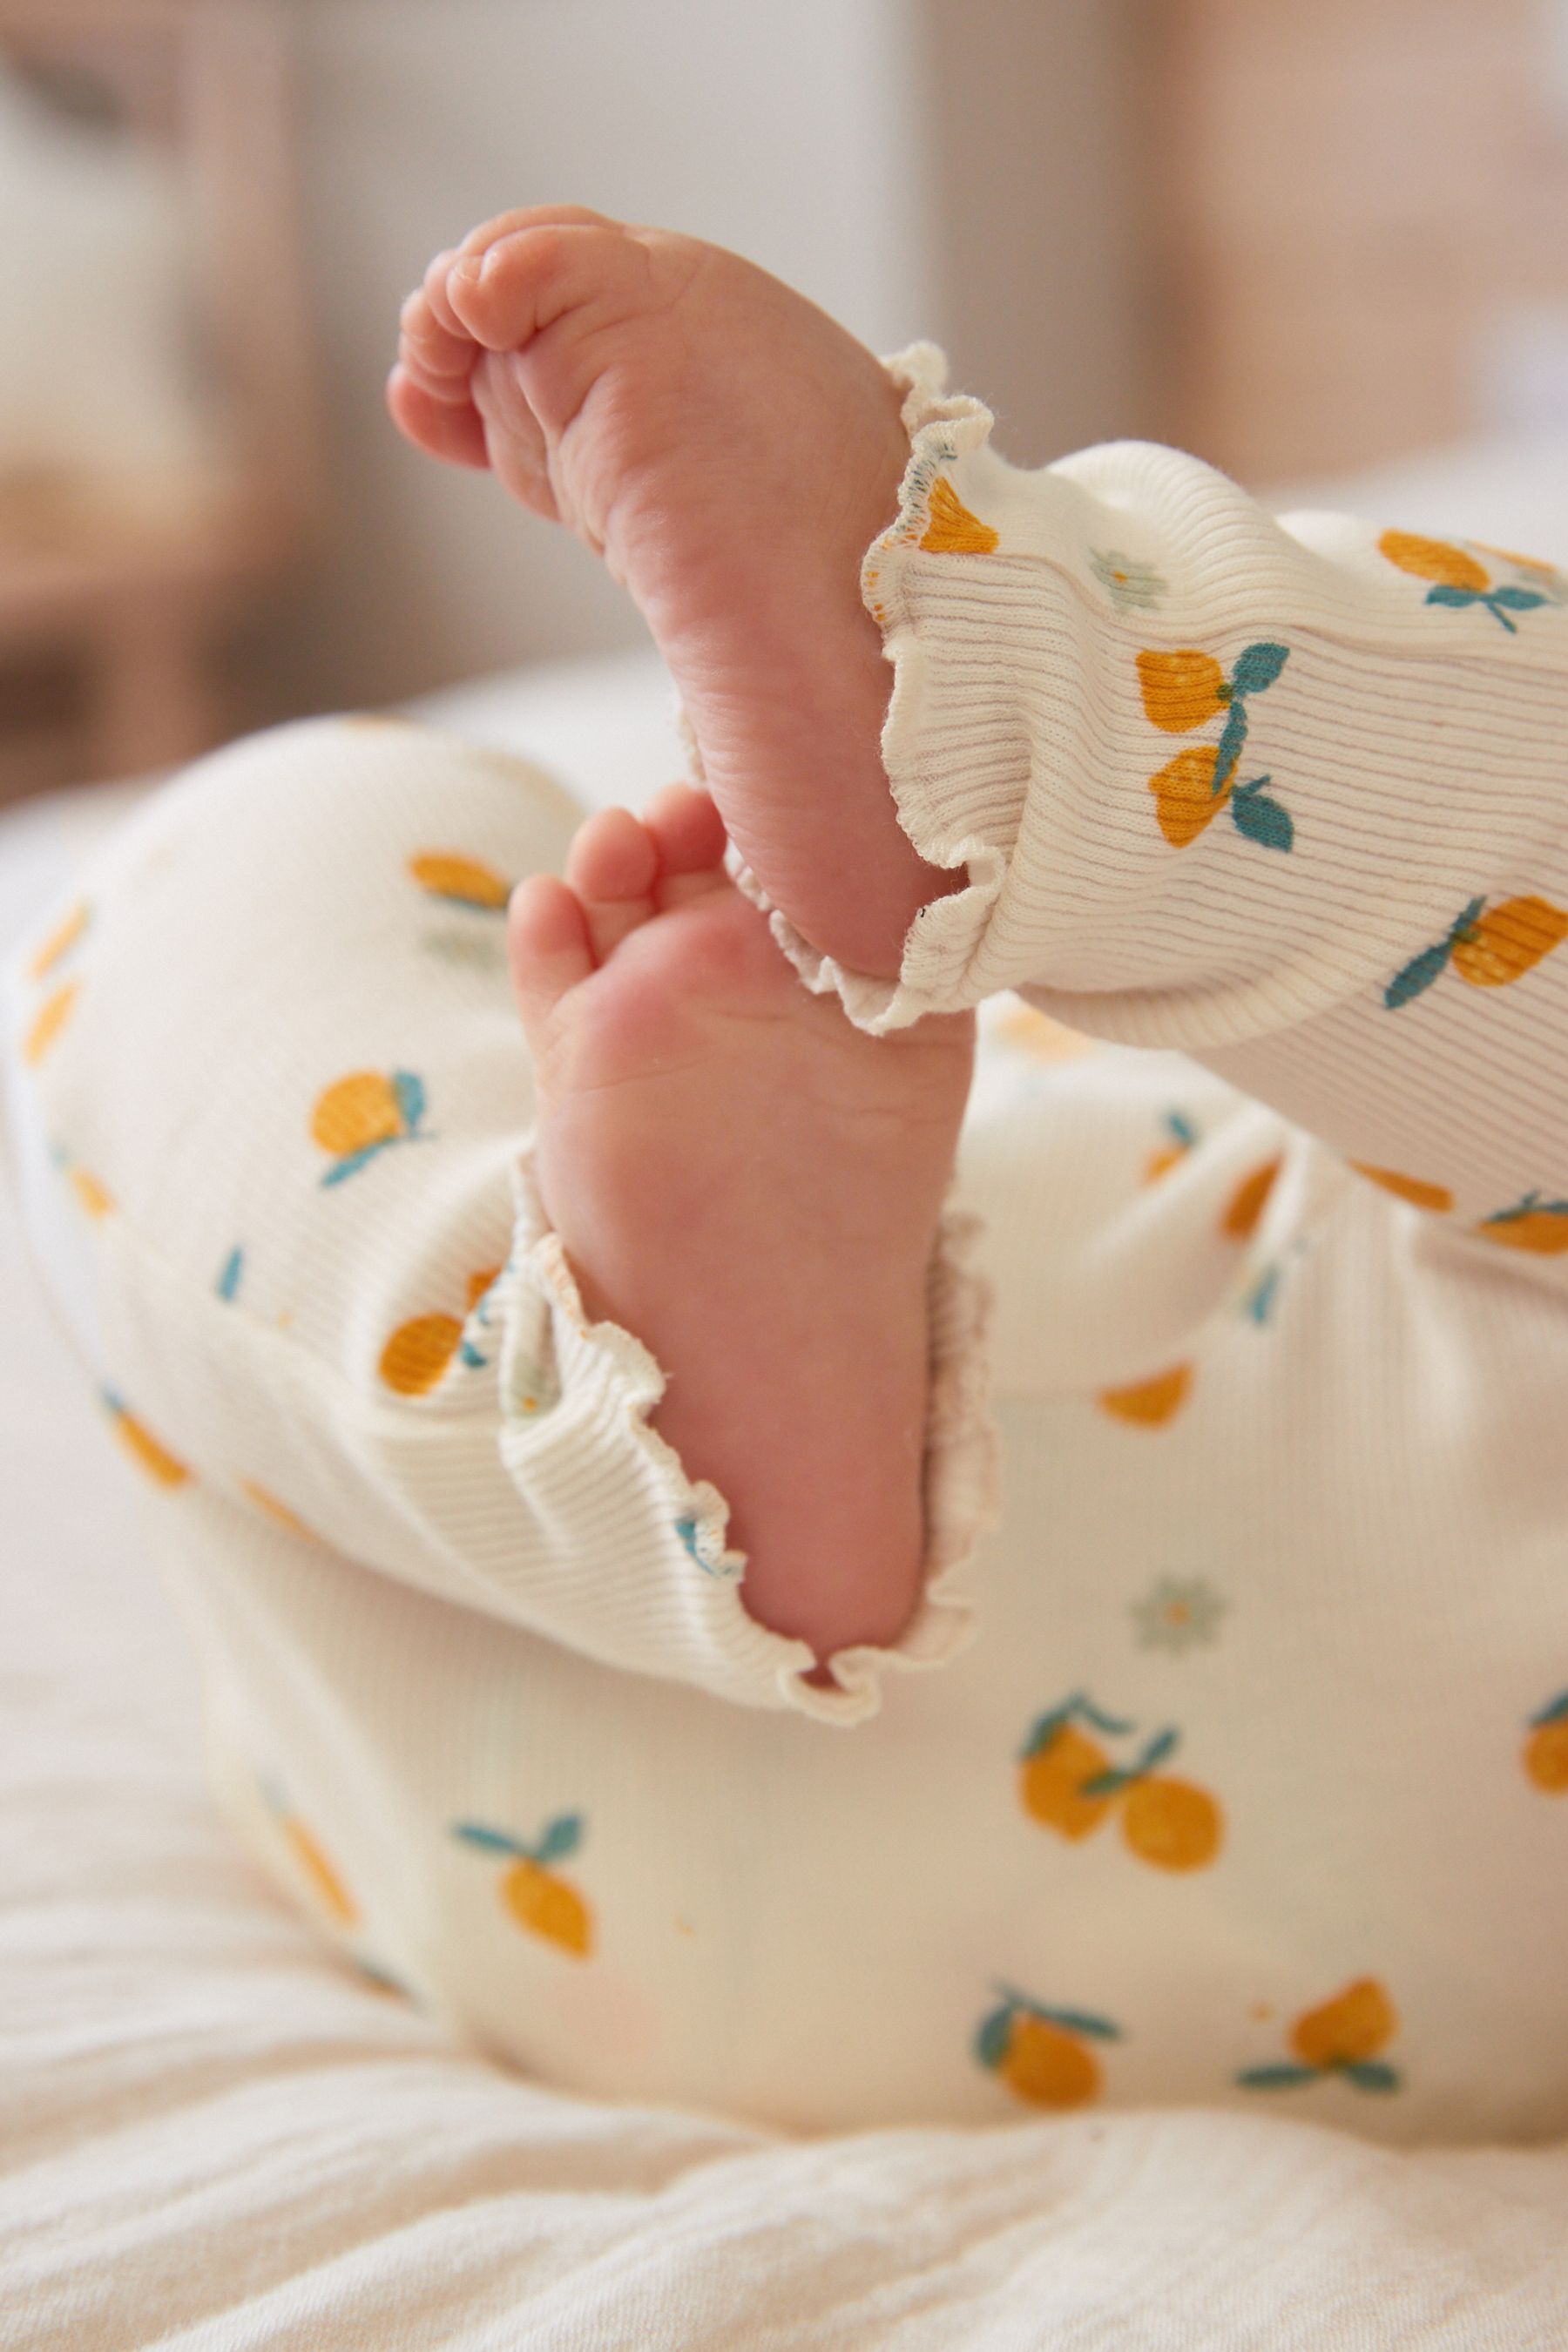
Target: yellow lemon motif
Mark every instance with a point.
(1346, 2031)
(1048, 2066)
(548, 1907)
(1170, 1824)
(93, 1196)
(267, 1503)
(48, 1021)
(60, 941)
(1044, 1040)
(418, 1353)
(318, 1873)
(1542, 1230)
(448, 875)
(1249, 1200)
(1507, 942)
(1421, 1195)
(1181, 690)
(357, 1113)
(144, 1449)
(1546, 1754)
(1150, 1402)
(1184, 798)
(1051, 1783)
(951, 529)
(1434, 560)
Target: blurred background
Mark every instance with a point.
(1302, 240)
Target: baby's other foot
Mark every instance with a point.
(753, 1187)
(731, 453)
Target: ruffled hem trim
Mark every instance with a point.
(942, 427)
(550, 1350)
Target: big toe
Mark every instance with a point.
(509, 291)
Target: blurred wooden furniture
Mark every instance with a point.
(111, 629)
(1346, 198)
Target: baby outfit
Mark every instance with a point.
(1225, 1758)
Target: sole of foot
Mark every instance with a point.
(730, 451)
(753, 1187)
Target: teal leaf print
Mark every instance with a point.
(490, 1841)
(1370, 2075)
(563, 1836)
(1553, 1711)
(1276, 2078)
(229, 1279)
(1518, 600)
(1258, 668)
(1259, 818)
(1446, 593)
(1416, 975)
(1231, 743)
(991, 2042)
(410, 1095)
(355, 1160)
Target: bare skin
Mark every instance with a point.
(731, 453)
(738, 1175)
(752, 1186)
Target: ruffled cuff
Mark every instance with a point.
(644, 1576)
(939, 949)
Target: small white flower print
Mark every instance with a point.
(1178, 1613)
(1131, 586)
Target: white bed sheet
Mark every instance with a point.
(216, 2138)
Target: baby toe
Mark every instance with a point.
(611, 865)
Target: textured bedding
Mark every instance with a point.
(214, 2137)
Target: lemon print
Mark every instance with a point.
(48, 1021)
(1053, 1778)
(328, 1888)
(1182, 1135)
(1170, 1824)
(59, 943)
(1505, 944)
(539, 1900)
(1152, 1402)
(1434, 559)
(1458, 578)
(1534, 1225)
(363, 1114)
(1421, 1195)
(415, 1357)
(1546, 1749)
(951, 529)
(1248, 1203)
(268, 1504)
(1184, 795)
(1181, 690)
(1351, 2027)
(95, 1198)
(1186, 689)
(1489, 951)
(1041, 1038)
(1342, 2036)
(1043, 2054)
(143, 1448)
(464, 880)
(1069, 1783)
(419, 1353)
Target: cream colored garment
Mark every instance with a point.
(217, 2138)
(1235, 1796)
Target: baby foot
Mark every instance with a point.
(731, 453)
(752, 1186)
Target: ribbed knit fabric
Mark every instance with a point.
(1289, 795)
(281, 1142)
(1245, 1778)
